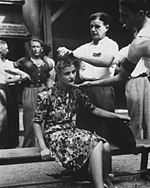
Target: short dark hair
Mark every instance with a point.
(47, 47)
(101, 16)
(134, 5)
(35, 39)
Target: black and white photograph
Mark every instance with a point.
(74, 93)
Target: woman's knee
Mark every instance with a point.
(102, 147)
(98, 148)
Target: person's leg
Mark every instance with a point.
(14, 124)
(134, 94)
(100, 165)
(4, 139)
(146, 109)
(96, 160)
(106, 164)
(29, 104)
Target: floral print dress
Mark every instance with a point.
(70, 146)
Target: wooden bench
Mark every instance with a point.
(28, 155)
(31, 155)
(143, 148)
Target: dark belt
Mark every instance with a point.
(36, 85)
(140, 75)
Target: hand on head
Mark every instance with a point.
(63, 52)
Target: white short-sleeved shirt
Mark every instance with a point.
(105, 46)
(6, 65)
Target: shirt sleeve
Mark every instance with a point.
(110, 47)
(50, 62)
(82, 50)
(84, 101)
(13, 71)
(122, 54)
(19, 63)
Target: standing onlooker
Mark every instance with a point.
(137, 91)
(96, 59)
(9, 113)
(38, 67)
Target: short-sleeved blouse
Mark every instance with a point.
(70, 146)
(38, 74)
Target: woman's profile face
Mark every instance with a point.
(67, 75)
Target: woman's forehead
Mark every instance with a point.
(96, 22)
(35, 43)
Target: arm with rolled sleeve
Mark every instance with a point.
(102, 58)
(139, 48)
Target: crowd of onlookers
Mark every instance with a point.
(33, 74)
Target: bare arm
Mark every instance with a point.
(140, 47)
(111, 115)
(45, 152)
(103, 60)
(39, 135)
(111, 81)
(23, 75)
(128, 63)
(16, 71)
(13, 80)
(98, 60)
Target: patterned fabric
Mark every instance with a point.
(70, 146)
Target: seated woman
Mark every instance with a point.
(71, 147)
